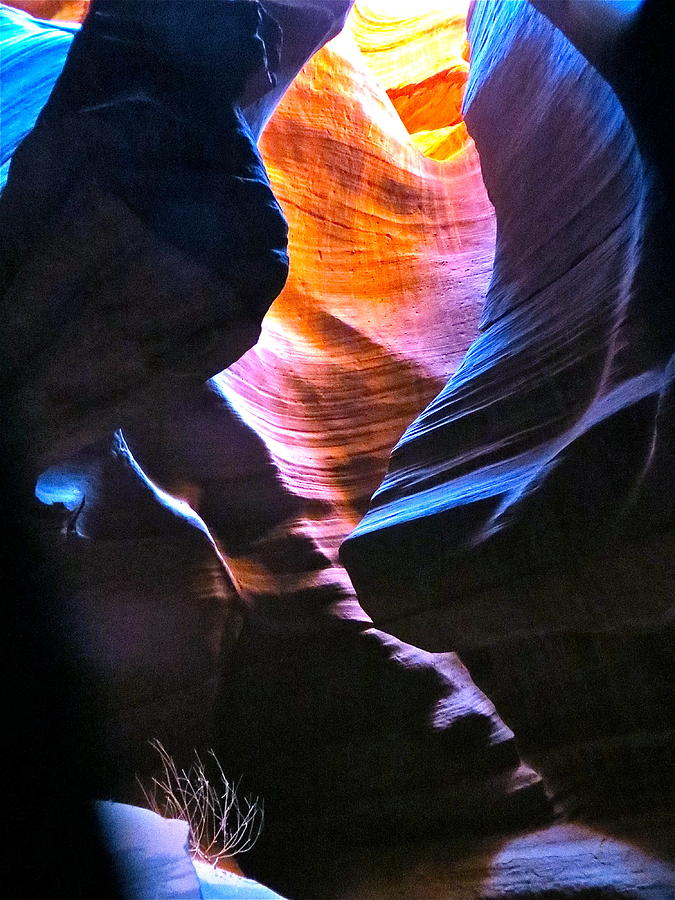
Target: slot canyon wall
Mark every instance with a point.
(527, 512)
(517, 289)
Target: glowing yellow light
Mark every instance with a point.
(414, 8)
(419, 54)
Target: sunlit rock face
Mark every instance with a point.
(313, 702)
(384, 242)
(419, 54)
(347, 732)
(526, 516)
(391, 253)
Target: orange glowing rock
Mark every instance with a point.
(422, 61)
(59, 10)
(391, 253)
(390, 257)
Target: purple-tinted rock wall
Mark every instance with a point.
(526, 517)
(546, 440)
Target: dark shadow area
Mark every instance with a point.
(53, 845)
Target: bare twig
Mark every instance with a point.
(220, 824)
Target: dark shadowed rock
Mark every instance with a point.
(345, 732)
(559, 862)
(356, 739)
(145, 608)
(142, 239)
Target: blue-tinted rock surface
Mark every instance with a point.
(526, 519)
(553, 433)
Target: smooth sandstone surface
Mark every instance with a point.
(277, 517)
(526, 516)
(139, 185)
(553, 432)
(391, 255)
(311, 693)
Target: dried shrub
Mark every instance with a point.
(221, 824)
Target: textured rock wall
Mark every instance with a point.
(158, 193)
(312, 694)
(384, 242)
(526, 516)
(576, 292)
(391, 255)
(482, 533)
(420, 56)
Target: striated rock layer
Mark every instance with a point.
(349, 733)
(390, 252)
(293, 440)
(422, 62)
(526, 516)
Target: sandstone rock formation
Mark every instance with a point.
(391, 256)
(140, 185)
(526, 517)
(555, 862)
(328, 387)
(420, 57)
(278, 508)
(524, 513)
(145, 605)
(490, 444)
